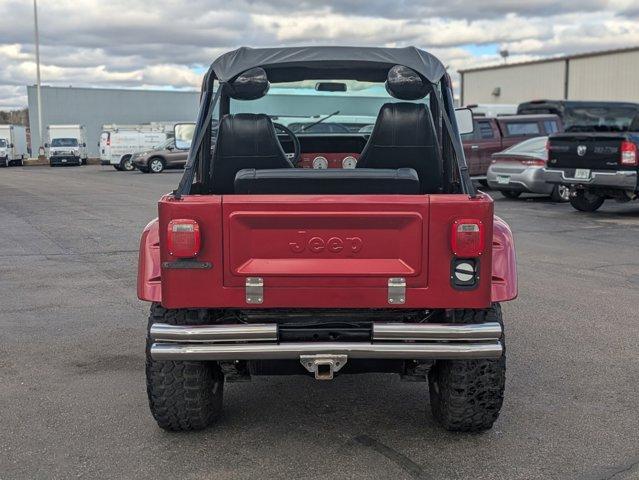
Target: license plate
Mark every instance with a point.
(503, 180)
(64, 160)
(582, 173)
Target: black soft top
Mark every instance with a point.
(288, 64)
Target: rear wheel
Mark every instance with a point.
(561, 193)
(510, 193)
(117, 167)
(156, 165)
(467, 395)
(182, 395)
(586, 201)
(126, 164)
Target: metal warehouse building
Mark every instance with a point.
(94, 107)
(610, 75)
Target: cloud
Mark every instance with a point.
(166, 43)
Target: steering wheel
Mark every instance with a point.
(297, 149)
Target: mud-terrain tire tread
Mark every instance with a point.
(467, 395)
(183, 395)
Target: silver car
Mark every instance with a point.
(519, 169)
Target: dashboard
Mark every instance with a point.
(324, 160)
(320, 152)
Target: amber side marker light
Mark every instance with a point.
(183, 238)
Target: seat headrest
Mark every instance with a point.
(250, 85)
(405, 83)
(403, 124)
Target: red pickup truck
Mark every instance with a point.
(494, 134)
(391, 264)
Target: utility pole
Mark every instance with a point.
(37, 54)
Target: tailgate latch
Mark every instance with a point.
(254, 290)
(396, 290)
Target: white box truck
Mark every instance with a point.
(119, 142)
(66, 145)
(13, 145)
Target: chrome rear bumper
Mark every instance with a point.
(427, 341)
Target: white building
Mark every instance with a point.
(609, 75)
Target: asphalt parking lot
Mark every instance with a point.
(72, 365)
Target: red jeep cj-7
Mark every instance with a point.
(392, 263)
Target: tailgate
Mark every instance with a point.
(591, 151)
(307, 240)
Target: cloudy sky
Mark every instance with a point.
(168, 43)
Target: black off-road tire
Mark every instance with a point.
(586, 202)
(510, 194)
(467, 395)
(183, 395)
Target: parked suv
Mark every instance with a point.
(164, 156)
(256, 266)
(494, 134)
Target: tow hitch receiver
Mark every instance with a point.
(323, 366)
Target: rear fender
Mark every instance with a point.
(504, 281)
(149, 281)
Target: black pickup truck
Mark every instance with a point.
(597, 157)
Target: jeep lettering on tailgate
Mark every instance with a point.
(317, 244)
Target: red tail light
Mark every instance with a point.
(628, 153)
(183, 238)
(534, 162)
(467, 239)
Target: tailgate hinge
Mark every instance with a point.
(254, 290)
(396, 290)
